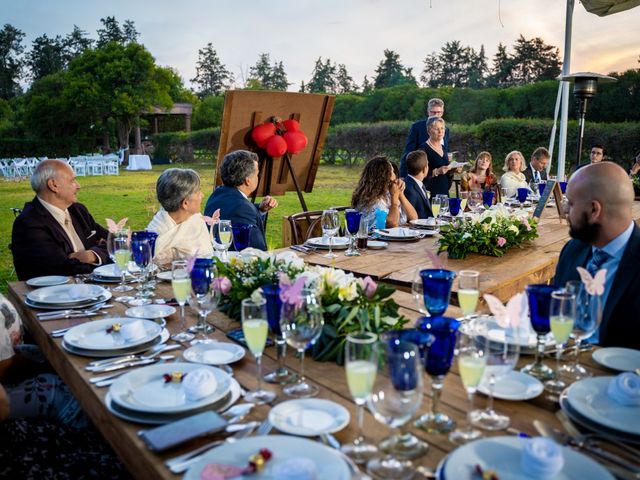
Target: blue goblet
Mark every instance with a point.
(436, 289)
(487, 197)
(142, 257)
(454, 206)
(353, 218)
(205, 297)
(281, 374)
(541, 187)
(437, 365)
(563, 187)
(539, 297)
(523, 193)
(241, 235)
(151, 237)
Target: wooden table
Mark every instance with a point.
(144, 464)
(502, 277)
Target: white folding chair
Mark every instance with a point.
(112, 167)
(79, 166)
(95, 166)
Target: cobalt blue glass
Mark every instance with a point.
(523, 193)
(421, 338)
(487, 197)
(563, 187)
(539, 297)
(151, 236)
(202, 275)
(241, 236)
(404, 368)
(437, 365)
(141, 251)
(454, 206)
(542, 186)
(353, 218)
(281, 374)
(142, 256)
(436, 289)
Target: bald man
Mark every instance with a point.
(599, 201)
(55, 235)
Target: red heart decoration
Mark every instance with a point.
(296, 141)
(262, 133)
(276, 146)
(291, 125)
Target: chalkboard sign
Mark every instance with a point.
(552, 186)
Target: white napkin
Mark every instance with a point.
(295, 469)
(199, 384)
(625, 389)
(541, 458)
(133, 331)
(79, 291)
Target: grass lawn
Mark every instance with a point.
(132, 194)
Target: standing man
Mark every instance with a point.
(418, 136)
(239, 174)
(599, 203)
(415, 191)
(537, 168)
(55, 235)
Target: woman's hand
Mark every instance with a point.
(395, 190)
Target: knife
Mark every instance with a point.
(119, 366)
(161, 348)
(70, 315)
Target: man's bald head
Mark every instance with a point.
(46, 170)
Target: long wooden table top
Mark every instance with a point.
(144, 464)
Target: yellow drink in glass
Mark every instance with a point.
(360, 377)
(468, 299)
(255, 333)
(471, 370)
(122, 258)
(181, 289)
(435, 208)
(463, 204)
(561, 328)
(225, 237)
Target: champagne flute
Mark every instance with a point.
(435, 207)
(181, 284)
(255, 328)
(562, 314)
(394, 400)
(468, 291)
(352, 218)
(330, 225)
(361, 365)
(301, 324)
(471, 364)
(204, 298)
(221, 237)
(119, 248)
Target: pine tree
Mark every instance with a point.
(212, 76)
(11, 64)
(390, 72)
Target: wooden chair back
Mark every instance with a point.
(305, 225)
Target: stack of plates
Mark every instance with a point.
(92, 340)
(143, 396)
(109, 274)
(616, 358)
(429, 225)
(587, 403)
(47, 281)
(337, 243)
(64, 297)
(399, 234)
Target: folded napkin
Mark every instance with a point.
(541, 458)
(295, 469)
(199, 384)
(625, 389)
(133, 331)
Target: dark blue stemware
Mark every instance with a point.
(542, 186)
(202, 276)
(142, 256)
(454, 206)
(523, 193)
(353, 218)
(436, 289)
(563, 187)
(281, 374)
(539, 297)
(487, 197)
(241, 236)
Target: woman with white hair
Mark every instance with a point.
(439, 179)
(513, 178)
(181, 229)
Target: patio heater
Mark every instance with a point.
(585, 87)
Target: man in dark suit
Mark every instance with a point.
(537, 168)
(417, 138)
(415, 191)
(55, 235)
(599, 202)
(239, 174)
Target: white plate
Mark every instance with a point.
(398, 233)
(150, 311)
(218, 353)
(616, 358)
(144, 389)
(309, 417)
(526, 340)
(66, 294)
(109, 271)
(47, 281)
(427, 223)
(159, 419)
(589, 398)
(89, 303)
(503, 454)
(514, 386)
(166, 275)
(328, 462)
(338, 243)
(93, 335)
(163, 338)
(376, 244)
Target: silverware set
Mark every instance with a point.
(70, 313)
(303, 248)
(116, 363)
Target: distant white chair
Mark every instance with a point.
(112, 167)
(79, 166)
(21, 167)
(95, 166)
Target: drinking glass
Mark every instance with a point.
(435, 207)
(584, 326)
(443, 200)
(352, 218)
(241, 236)
(436, 286)
(501, 352)
(363, 233)
(468, 291)
(221, 237)
(119, 248)
(330, 225)
(523, 193)
(281, 374)
(394, 399)
(539, 297)
(437, 365)
(255, 328)
(204, 297)
(454, 206)
(471, 365)
(475, 201)
(151, 238)
(464, 199)
(301, 324)
(181, 284)
(417, 291)
(562, 314)
(361, 366)
(541, 187)
(487, 198)
(142, 257)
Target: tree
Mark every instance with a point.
(212, 77)
(112, 32)
(455, 66)
(265, 76)
(390, 72)
(279, 77)
(502, 70)
(478, 69)
(344, 81)
(367, 86)
(10, 63)
(76, 43)
(323, 77)
(533, 60)
(47, 56)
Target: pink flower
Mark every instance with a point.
(501, 241)
(222, 285)
(369, 287)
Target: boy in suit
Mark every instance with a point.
(415, 191)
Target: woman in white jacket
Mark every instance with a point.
(513, 178)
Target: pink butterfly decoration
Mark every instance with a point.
(191, 260)
(114, 227)
(506, 315)
(213, 219)
(292, 294)
(440, 260)
(593, 285)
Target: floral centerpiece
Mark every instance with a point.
(492, 233)
(349, 304)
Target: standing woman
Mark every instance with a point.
(438, 182)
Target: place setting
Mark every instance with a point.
(67, 297)
(48, 281)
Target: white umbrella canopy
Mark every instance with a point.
(603, 8)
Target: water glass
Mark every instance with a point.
(562, 315)
(119, 248)
(454, 206)
(436, 285)
(255, 328)
(443, 201)
(487, 198)
(541, 187)
(563, 187)
(523, 193)
(241, 236)
(539, 297)
(381, 219)
(204, 298)
(221, 237)
(468, 291)
(352, 218)
(181, 284)
(475, 201)
(281, 374)
(330, 225)
(142, 257)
